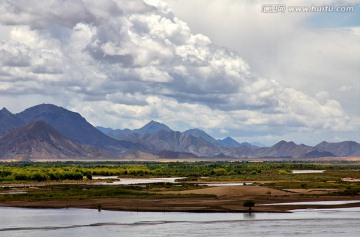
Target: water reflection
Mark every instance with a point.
(129, 181)
(307, 171)
(249, 216)
(225, 184)
(325, 203)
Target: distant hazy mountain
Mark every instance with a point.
(9, 121)
(136, 134)
(226, 142)
(248, 144)
(346, 148)
(159, 137)
(324, 149)
(106, 131)
(258, 144)
(146, 133)
(198, 146)
(284, 149)
(38, 140)
(152, 127)
(222, 156)
(230, 142)
(242, 151)
(119, 134)
(180, 142)
(75, 127)
(200, 133)
(318, 154)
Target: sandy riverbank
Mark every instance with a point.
(226, 199)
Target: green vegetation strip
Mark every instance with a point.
(83, 192)
(58, 171)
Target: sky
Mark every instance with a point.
(224, 66)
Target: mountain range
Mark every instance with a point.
(38, 140)
(75, 127)
(50, 132)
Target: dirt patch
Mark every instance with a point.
(350, 180)
(236, 191)
(312, 191)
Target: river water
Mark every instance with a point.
(84, 222)
(130, 181)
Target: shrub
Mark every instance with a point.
(39, 177)
(249, 204)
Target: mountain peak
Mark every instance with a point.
(153, 123)
(152, 127)
(8, 120)
(5, 110)
(323, 143)
(230, 142)
(283, 142)
(287, 149)
(345, 148)
(46, 108)
(61, 119)
(195, 132)
(285, 145)
(73, 126)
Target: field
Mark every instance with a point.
(71, 184)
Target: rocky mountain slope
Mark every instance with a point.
(346, 148)
(75, 127)
(9, 121)
(38, 140)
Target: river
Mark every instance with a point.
(92, 223)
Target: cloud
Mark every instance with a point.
(346, 88)
(133, 60)
(296, 49)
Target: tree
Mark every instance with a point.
(249, 204)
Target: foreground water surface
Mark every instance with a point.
(84, 222)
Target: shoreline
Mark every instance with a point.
(191, 205)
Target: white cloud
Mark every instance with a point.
(311, 52)
(346, 88)
(132, 61)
